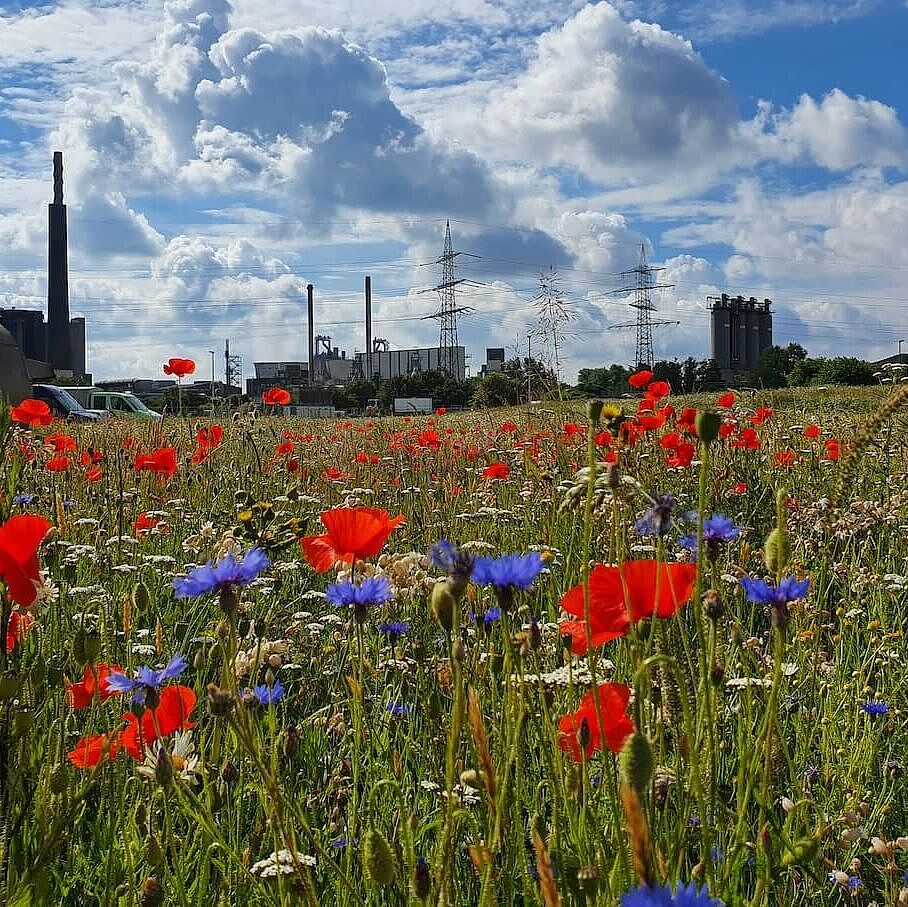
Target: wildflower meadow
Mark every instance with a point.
(643, 652)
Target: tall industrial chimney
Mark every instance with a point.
(309, 298)
(59, 339)
(368, 375)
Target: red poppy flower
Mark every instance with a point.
(727, 429)
(94, 474)
(658, 389)
(604, 439)
(353, 533)
(812, 432)
(58, 464)
(763, 414)
(17, 629)
(179, 367)
(145, 523)
(640, 379)
(833, 449)
(441, 411)
(726, 400)
(784, 458)
(162, 461)
(90, 457)
(90, 750)
(748, 439)
(171, 715)
(572, 429)
(496, 471)
(739, 489)
(616, 723)
(210, 437)
(333, 474)
(620, 595)
(61, 443)
(508, 428)
(682, 455)
(93, 683)
(20, 537)
(686, 421)
(32, 413)
(276, 396)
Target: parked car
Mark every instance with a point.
(63, 404)
(121, 404)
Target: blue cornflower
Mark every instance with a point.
(454, 561)
(789, 590)
(375, 590)
(663, 896)
(23, 500)
(147, 680)
(875, 708)
(398, 709)
(265, 695)
(777, 597)
(717, 530)
(492, 615)
(512, 571)
(394, 628)
(658, 519)
(226, 572)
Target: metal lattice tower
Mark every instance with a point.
(449, 310)
(643, 286)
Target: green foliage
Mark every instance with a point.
(776, 364)
(495, 389)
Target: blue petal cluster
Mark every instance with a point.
(446, 556)
(146, 678)
(394, 628)
(717, 530)
(266, 695)
(375, 590)
(663, 896)
(21, 500)
(789, 590)
(875, 708)
(512, 571)
(658, 519)
(226, 572)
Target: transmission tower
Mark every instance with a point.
(448, 310)
(643, 286)
(233, 368)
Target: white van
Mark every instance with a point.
(123, 405)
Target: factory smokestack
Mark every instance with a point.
(309, 298)
(59, 340)
(368, 374)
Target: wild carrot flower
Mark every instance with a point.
(226, 572)
(147, 680)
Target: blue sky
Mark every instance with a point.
(220, 156)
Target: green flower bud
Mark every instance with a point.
(151, 894)
(153, 853)
(59, 779)
(79, 647)
(9, 686)
(636, 762)
(707, 424)
(92, 645)
(594, 410)
(378, 858)
(443, 605)
(802, 852)
(141, 598)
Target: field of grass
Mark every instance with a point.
(626, 706)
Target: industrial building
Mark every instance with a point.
(387, 363)
(294, 378)
(494, 360)
(31, 332)
(741, 331)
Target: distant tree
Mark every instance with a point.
(844, 370)
(608, 381)
(709, 375)
(670, 371)
(689, 375)
(776, 364)
(495, 389)
(533, 374)
(804, 372)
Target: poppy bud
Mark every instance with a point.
(163, 767)
(142, 819)
(59, 779)
(229, 599)
(534, 636)
(229, 772)
(92, 645)
(23, 720)
(583, 734)
(259, 628)
(151, 893)
(79, 647)
(141, 598)
(290, 742)
(198, 662)
(378, 858)
(443, 605)
(421, 883)
(636, 762)
(707, 425)
(712, 604)
(152, 698)
(588, 877)
(154, 855)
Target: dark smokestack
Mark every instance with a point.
(309, 298)
(59, 340)
(368, 374)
